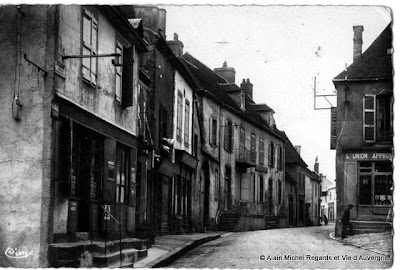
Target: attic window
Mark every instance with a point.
(242, 104)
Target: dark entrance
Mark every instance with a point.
(227, 188)
(206, 202)
(86, 156)
(270, 193)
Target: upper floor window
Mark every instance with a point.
(378, 118)
(228, 135)
(280, 158)
(261, 151)
(89, 47)
(253, 153)
(118, 73)
(179, 117)
(242, 101)
(242, 140)
(142, 110)
(187, 115)
(213, 131)
(271, 155)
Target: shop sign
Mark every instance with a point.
(369, 156)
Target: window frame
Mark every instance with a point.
(369, 110)
(119, 49)
(187, 123)
(228, 135)
(213, 131)
(87, 45)
(253, 147)
(179, 120)
(261, 150)
(122, 167)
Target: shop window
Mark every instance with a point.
(376, 183)
(89, 47)
(228, 135)
(122, 177)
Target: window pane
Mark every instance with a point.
(86, 30)
(383, 167)
(381, 190)
(122, 199)
(365, 167)
(94, 37)
(369, 102)
(365, 189)
(369, 118)
(369, 133)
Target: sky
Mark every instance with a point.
(281, 49)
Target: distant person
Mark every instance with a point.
(346, 220)
(325, 220)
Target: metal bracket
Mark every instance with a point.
(91, 56)
(30, 62)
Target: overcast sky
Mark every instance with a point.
(280, 49)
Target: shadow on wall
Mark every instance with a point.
(4, 260)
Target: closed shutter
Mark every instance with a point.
(127, 77)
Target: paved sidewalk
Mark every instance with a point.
(168, 248)
(381, 243)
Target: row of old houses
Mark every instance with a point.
(111, 132)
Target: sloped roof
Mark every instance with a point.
(375, 61)
(215, 86)
(291, 154)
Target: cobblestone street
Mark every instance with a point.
(305, 247)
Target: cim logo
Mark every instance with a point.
(17, 254)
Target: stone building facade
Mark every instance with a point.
(364, 149)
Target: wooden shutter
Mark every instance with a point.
(226, 135)
(333, 127)
(127, 77)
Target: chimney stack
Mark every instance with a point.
(228, 73)
(357, 42)
(247, 86)
(316, 165)
(298, 148)
(176, 46)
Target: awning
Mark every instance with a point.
(168, 168)
(181, 156)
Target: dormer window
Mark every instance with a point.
(242, 101)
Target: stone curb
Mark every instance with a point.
(332, 236)
(174, 254)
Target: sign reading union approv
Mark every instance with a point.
(369, 156)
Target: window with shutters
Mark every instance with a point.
(280, 158)
(261, 151)
(179, 117)
(242, 140)
(118, 72)
(378, 118)
(271, 155)
(253, 153)
(187, 117)
(213, 131)
(228, 135)
(89, 47)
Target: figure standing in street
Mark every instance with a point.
(346, 221)
(325, 220)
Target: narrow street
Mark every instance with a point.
(305, 247)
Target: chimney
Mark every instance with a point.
(357, 42)
(316, 165)
(228, 73)
(298, 148)
(247, 86)
(176, 46)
